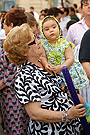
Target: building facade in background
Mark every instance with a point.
(6, 4)
(37, 4)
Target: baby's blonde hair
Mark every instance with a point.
(16, 43)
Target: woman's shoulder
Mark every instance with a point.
(28, 68)
(29, 71)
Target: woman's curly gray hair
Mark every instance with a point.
(16, 43)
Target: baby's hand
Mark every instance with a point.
(56, 69)
(48, 68)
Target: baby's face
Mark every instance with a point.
(51, 29)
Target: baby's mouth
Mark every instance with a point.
(52, 34)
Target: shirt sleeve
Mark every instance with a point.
(2, 34)
(84, 53)
(70, 35)
(7, 70)
(27, 89)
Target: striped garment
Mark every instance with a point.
(14, 115)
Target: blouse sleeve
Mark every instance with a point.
(7, 70)
(27, 89)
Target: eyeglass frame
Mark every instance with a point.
(32, 43)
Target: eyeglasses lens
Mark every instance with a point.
(34, 42)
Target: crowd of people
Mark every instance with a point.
(33, 50)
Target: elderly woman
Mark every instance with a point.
(51, 110)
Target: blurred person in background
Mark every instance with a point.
(75, 7)
(64, 20)
(69, 24)
(77, 11)
(77, 30)
(44, 11)
(84, 53)
(34, 13)
(2, 38)
(41, 17)
(2, 31)
(75, 34)
(1, 13)
(56, 12)
(14, 116)
(32, 23)
(72, 14)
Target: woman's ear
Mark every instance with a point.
(11, 25)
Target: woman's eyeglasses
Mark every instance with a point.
(32, 43)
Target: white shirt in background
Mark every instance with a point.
(63, 24)
(36, 16)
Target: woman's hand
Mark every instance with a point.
(56, 69)
(76, 112)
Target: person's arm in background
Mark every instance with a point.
(86, 66)
(70, 34)
(84, 53)
(2, 85)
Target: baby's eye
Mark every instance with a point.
(54, 27)
(46, 29)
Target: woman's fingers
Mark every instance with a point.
(76, 111)
(82, 115)
(79, 106)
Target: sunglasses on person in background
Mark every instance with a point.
(32, 43)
